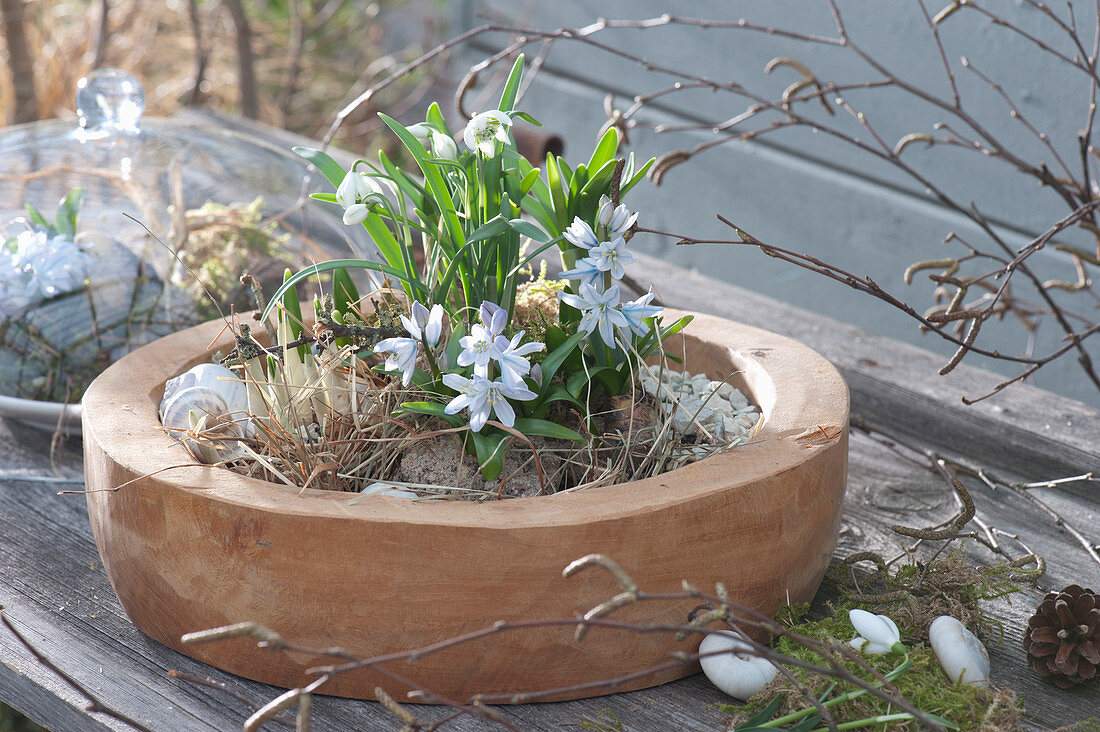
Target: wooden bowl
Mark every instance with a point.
(192, 548)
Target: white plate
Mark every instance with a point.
(42, 415)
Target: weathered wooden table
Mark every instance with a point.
(55, 593)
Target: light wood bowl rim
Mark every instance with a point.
(796, 387)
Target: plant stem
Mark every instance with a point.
(899, 717)
(848, 696)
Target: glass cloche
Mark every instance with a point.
(124, 229)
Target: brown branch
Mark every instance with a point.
(101, 33)
(245, 63)
(20, 61)
(200, 55)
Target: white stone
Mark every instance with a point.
(721, 388)
(738, 400)
(960, 653)
(736, 672)
(721, 406)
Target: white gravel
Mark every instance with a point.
(714, 411)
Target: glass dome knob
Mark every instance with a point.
(109, 100)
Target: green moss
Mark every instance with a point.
(912, 595)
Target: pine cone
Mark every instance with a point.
(1061, 640)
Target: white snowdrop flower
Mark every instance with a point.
(485, 129)
(878, 634)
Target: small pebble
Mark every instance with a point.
(695, 401)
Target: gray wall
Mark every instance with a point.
(807, 191)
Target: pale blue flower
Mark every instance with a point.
(599, 310)
(485, 129)
(494, 317)
(580, 234)
(403, 353)
(424, 325)
(484, 398)
(615, 220)
(478, 349)
(636, 311)
(513, 365)
(586, 271)
(610, 256)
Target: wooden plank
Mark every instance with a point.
(92, 633)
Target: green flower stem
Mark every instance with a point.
(899, 717)
(848, 696)
(431, 360)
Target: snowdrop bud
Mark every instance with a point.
(356, 214)
(878, 633)
(536, 373)
(353, 189)
(421, 131)
(443, 146)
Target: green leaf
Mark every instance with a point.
(556, 358)
(637, 176)
(544, 428)
(324, 163)
(292, 309)
(344, 292)
(489, 229)
(489, 450)
(556, 393)
(458, 330)
(436, 119)
(764, 714)
(606, 376)
(67, 211)
(38, 218)
(605, 149)
(528, 180)
(526, 118)
(531, 231)
(333, 264)
(436, 184)
(946, 723)
(511, 87)
(554, 181)
(676, 327)
(434, 409)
